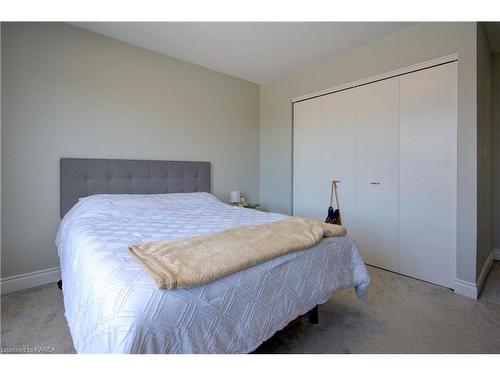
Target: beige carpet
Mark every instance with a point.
(402, 315)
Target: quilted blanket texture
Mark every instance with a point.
(203, 259)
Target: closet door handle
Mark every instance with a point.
(375, 183)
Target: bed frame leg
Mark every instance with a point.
(313, 316)
(59, 284)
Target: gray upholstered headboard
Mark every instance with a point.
(82, 177)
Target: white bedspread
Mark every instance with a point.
(113, 306)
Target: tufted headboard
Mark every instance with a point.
(82, 177)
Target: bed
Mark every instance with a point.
(111, 303)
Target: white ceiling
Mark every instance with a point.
(255, 51)
(493, 33)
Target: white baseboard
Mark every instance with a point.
(30, 280)
(496, 254)
(472, 290)
(484, 271)
(465, 288)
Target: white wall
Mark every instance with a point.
(413, 45)
(67, 92)
(484, 150)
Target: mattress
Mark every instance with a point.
(112, 305)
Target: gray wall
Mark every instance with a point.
(496, 149)
(484, 149)
(72, 93)
(416, 44)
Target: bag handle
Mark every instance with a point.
(334, 189)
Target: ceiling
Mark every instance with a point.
(254, 51)
(493, 33)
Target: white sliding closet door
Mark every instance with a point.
(324, 151)
(337, 153)
(393, 146)
(428, 174)
(376, 168)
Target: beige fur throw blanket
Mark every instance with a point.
(200, 260)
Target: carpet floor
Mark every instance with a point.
(401, 315)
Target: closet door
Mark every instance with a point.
(376, 166)
(428, 174)
(324, 151)
(337, 154)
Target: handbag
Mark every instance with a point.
(333, 216)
